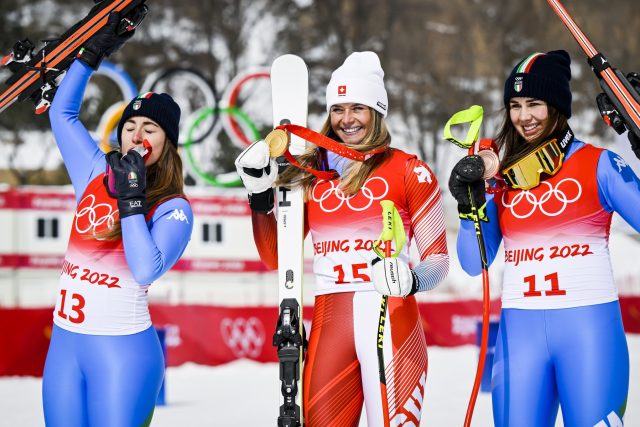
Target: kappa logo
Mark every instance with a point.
(423, 174)
(620, 163)
(179, 215)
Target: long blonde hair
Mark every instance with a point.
(164, 181)
(356, 173)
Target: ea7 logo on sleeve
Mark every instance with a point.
(178, 215)
(423, 174)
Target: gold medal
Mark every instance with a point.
(278, 141)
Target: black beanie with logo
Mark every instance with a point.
(159, 107)
(542, 76)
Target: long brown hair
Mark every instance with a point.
(164, 181)
(513, 146)
(356, 173)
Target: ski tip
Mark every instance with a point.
(288, 58)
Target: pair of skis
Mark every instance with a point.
(36, 76)
(290, 90)
(619, 104)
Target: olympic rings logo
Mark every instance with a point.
(245, 337)
(93, 215)
(552, 202)
(358, 202)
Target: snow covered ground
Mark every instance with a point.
(244, 393)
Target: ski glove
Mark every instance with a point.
(104, 42)
(258, 172)
(392, 276)
(130, 182)
(468, 172)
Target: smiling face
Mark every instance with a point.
(529, 116)
(350, 122)
(136, 130)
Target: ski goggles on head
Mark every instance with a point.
(525, 173)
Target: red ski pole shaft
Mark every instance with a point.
(484, 341)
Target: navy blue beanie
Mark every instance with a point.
(543, 76)
(160, 108)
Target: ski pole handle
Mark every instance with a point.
(392, 230)
(278, 141)
(387, 224)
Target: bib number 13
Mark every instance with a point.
(71, 310)
(552, 279)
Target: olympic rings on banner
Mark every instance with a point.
(226, 180)
(192, 91)
(230, 100)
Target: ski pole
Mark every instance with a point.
(392, 229)
(473, 115)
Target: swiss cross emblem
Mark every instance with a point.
(342, 90)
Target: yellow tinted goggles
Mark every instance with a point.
(525, 173)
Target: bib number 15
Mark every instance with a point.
(356, 273)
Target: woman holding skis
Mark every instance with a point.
(132, 223)
(561, 340)
(343, 215)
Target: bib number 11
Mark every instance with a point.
(551, 278)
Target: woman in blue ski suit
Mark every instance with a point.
(132, 223)
(561, 340)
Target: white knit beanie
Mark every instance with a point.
(359, 80)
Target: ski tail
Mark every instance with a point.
(621, 107)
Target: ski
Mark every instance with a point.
(290, 89)
(36, 76)
(619, 105)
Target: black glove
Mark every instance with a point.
(468, 172)
(262, 202)
(104, 42)
(130, 182)
(635, 143)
